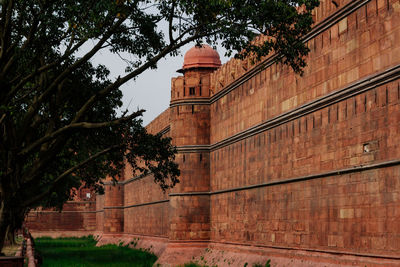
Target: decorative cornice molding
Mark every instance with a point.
(190, 194)
(193, 149)
(114, 208)
(80, 202)
(297, 179)
(165, 130)
(190, 101)
(130, 180)
(63, 211)
(137, 205)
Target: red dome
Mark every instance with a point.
(203, 56)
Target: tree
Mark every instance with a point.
(57, 111)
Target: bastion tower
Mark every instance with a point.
(190, 132)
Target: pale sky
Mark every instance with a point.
(152, 89)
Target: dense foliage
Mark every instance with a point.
(57, 111)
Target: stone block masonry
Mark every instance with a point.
(302, 170)
(78, 218)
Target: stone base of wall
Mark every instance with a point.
(224, 255)
(179, 253)
(57, 234)
(227, 255)
(153, 244)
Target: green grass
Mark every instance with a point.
(82, 252)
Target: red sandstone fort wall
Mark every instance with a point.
(273, 160)
(357, 53)
(160, 123)
(145, 204)
(76, 218)
(99, 213)
(146, 208)
(139, 206)
(234, 68)
(350, 50)
(295, 131)
(352, 212)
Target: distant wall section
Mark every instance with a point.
(76, 219)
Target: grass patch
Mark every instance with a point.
(82, 252)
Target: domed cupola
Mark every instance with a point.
(201, 57)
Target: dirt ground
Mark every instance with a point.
(10, 250)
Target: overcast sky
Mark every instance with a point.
(152, 89)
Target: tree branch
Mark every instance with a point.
(35, 105)
(68, 172)
(44, 68)
(132, 75)
(2, 118)
(78, 125)
(170, 20)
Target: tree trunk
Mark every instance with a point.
(4, 223)
(10, 235)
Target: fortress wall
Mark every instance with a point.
(148, 220)
(187, 131)
(199, 79)
(234, 68)
(327, 8)
(99, 213)
(189, 215)
(353, 212)
(350, 50)
(159, 123)
(145, 205)
(358, 130)
(146, 208)
(143, 190)
(75, 217)
(196, 166)
(302, 133)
